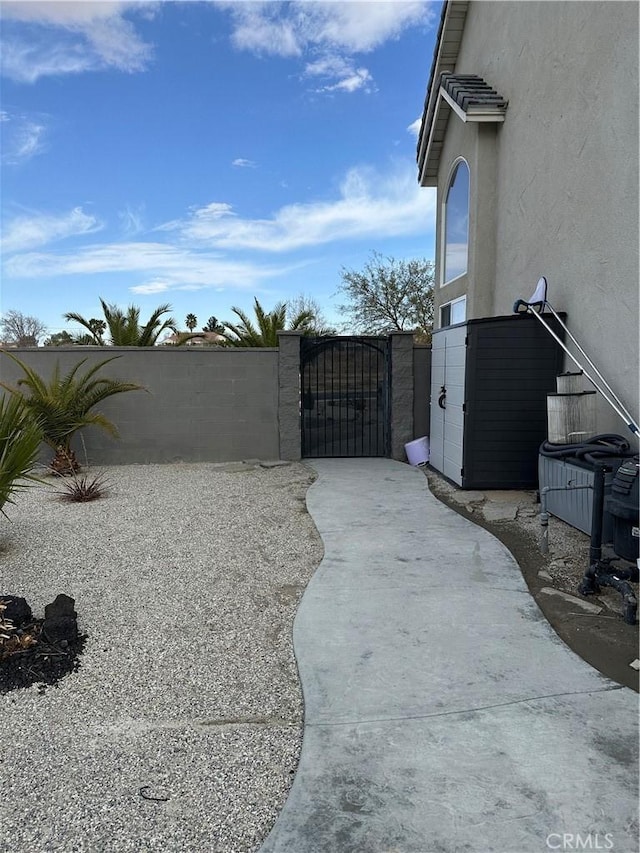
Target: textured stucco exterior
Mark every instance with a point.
(554, 189)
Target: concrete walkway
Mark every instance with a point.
(442, 713)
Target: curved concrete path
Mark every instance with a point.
(442, 713)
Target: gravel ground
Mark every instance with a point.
(186, 580)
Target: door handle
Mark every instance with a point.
(442, 399)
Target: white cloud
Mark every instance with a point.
(348, 77)
(260, 29)
(167, 267)
(360, 79)
(289, 29)
(244, 164)
(62, 12)
(131, 220)
(23, 137)
(330, 65)
(30, 142)
(151, 287)
(26, 232)
(414, 127)
(54, 38)
(198, 251)
(368, 205)
(26, 62)
(329, 30)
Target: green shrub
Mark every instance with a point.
(20, 437)
(63, 405)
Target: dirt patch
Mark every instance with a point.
(592, 626)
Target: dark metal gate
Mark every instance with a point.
(345, 396)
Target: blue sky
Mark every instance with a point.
(203, 153)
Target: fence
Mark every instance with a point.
(219, 405)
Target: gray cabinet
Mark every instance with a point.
(448, 368)
(489, 384)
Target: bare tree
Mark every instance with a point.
(303, 304)
(21, 330)
(389, 294)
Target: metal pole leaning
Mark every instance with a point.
(589, 360)
(615, 404)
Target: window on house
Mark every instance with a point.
(456, 224)
(453, 312)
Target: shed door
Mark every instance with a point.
(448, 365)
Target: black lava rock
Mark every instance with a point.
(60, 620)
(17, 610)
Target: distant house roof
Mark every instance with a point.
(469, 96)
(201, 339)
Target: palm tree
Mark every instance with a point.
(63, 405)
(124, 327)
(246, 334)
(97, 327)
(191, 322)
(20, 437)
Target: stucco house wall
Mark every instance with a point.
(554, 188)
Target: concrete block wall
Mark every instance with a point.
(217, 405)
(289, 395)
(402, 393)
(201, 405)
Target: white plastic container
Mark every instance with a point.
(571, 418)
(570, 383)
(418, 451)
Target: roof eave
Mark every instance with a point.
(448, 41)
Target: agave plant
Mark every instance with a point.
(269, 323)
(20, 437)
(64, 404)
(81, 488)
(124, 328)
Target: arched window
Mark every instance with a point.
(456, 224)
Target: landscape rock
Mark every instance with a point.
(238, 467)
(499, 512)
(17, 610)
(60, 620)
(571, 599)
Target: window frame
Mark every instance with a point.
(443, 235)
(449, 305)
